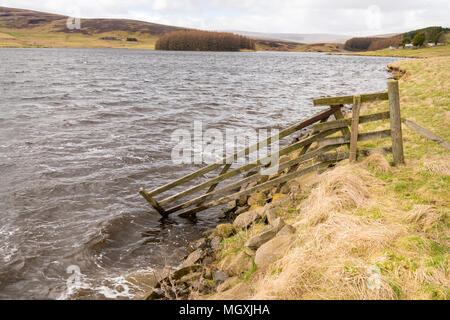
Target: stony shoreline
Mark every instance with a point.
(205, 275)
(202, 275)
(324, 237)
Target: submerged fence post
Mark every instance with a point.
(396, 122)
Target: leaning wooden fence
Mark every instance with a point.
(314, 152)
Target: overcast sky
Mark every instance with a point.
(348, 17)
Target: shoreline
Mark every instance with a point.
(226, 263)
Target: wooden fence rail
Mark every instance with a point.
(313, 153)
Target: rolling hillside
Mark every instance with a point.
(26, 28)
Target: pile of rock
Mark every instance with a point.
(200, 273)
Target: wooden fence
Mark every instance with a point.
(314, 152)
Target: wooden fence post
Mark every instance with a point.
(355, 123)
(338, 115)
(396, 122)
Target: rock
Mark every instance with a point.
(164, 274)
(278, 224)
(178, 274)
(244, 220)
(271, 216)
(287, 229)
(269, 213)
(207, 274)
(285, 189)
(190, 279)
(210, 233)
(273, 250)
(156, 294)
(231, 206)
(257, 240)
(263, 179)
(198, 244)
(241, 291)
(242, 209)
(145, 280)
(258, 198)
(278, 197)
(236, 264)
(193, 258)
(227, 284)
(242, 201)
(225, 230)
(207, 260)
(249, 251)
(215, 242)
(219, 276)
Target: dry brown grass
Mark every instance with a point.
(425, 217)
(339, 254)
(338, 189)
(377, 162)
(332, 258)
(437, 165)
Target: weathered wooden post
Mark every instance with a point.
(396, 122)
(355, 123)
(338, 115)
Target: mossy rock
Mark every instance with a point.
(236, 264)
(225, 230)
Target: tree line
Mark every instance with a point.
(371, 43)
(416, 37)
(196, 40)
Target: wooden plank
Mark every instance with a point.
(396, 122)
(286, 132)
(341, 155)
(257, 176)
(333, 101)
(345, 131)
(348, 121)
(303, 151)
(224, 170)
(355, 124)
(427, 134)
(153, 202)
(244, 168)
(256, 188)
(361, 137)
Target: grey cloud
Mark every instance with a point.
(363, 17)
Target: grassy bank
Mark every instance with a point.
(44, 37)
(368, 230)
(439, 51)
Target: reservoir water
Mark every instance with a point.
(81, 130)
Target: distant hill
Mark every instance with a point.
(20, 18)
(27, 28)
(304, 38)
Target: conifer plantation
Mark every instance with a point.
(195, 40)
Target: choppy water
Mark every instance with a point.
(82, 129)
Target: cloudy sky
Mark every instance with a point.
(348, 17)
